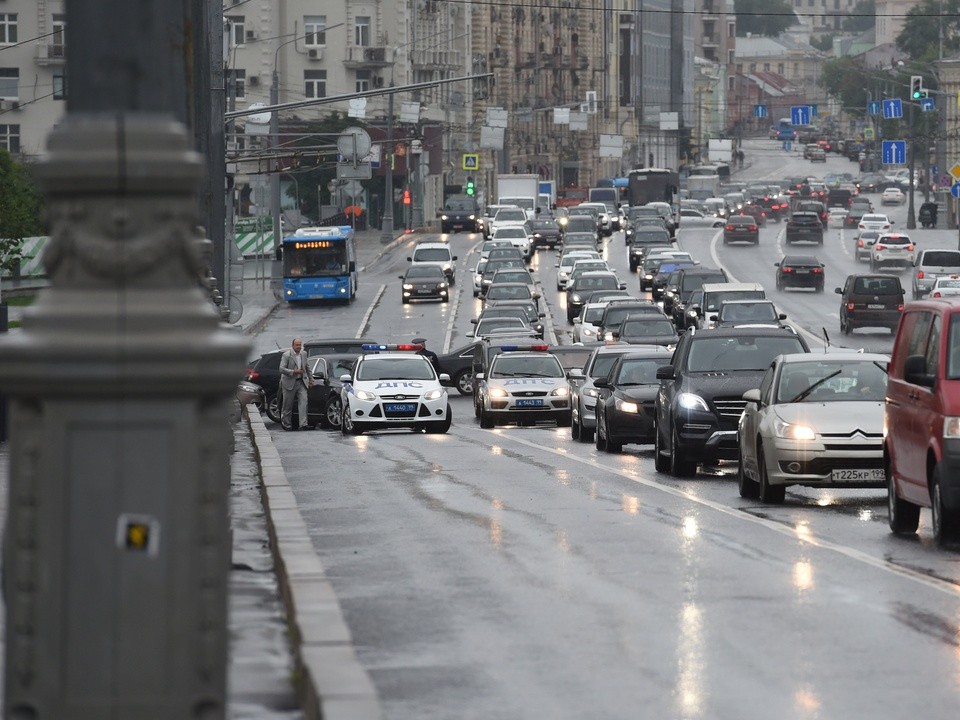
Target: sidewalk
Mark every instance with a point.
(291, 652)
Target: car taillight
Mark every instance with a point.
(751, 227)
(729, 227)
(919, 274)
(910, 249)
(900, 307)
(860, 242)
(850, 306)
(879, 247)
(936, 294)
(818, 271)
(252, 375)
(787, 269)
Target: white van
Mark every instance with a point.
(437, 254)
(714, 294)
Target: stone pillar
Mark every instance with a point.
(116, 555)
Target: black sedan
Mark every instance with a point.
(625, 402)
(646, 329)
(323, 397)
(545, 233)
(800, 271)
(741, 228)
(424, 282)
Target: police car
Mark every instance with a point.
(524, 383)
(393, 386)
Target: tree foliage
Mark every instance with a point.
(920, 37)
(845, 79)
(862, 17)
(20, 209)
(314, 169)
(824, 43)
(763, 17)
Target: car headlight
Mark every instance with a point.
(590, 392)
(626, 406)
(560, 392)
(588, 332)
(443, 285)
(951, 428)
(407, 286)
(793, 432)
(575, 298)
(444, 217)
(562, 221)
(472, 217)
(497, 392)
(648, 277)
(691, 313)
(433, 394)
(689, 401)
(365, 395)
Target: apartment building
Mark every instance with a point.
(891, 15)
(32, 74)
(716, 42)
(826, 16)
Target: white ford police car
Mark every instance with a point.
(393, 386)
(525, 383)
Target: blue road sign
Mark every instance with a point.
(893, 152)
(813, 111)
(760, 111)
(934, 170)
(874, 108)
(800, 114)
(892, 109)
(927, 104)
(955, 190)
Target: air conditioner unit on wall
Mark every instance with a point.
(315, 54)
(254, 80)
(251, 34)
(378, 81)
(9, 104)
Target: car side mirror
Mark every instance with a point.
(444, 377)
(915, 371)
(478, 376)
(776, 264)
(752, 395)
(319, 375)
(575, 374)
(400, 276)
(623, 286)
(541, 315)
(782, 316)
(665, 373)
(713, 318)
(601, 383)
(345, 378)
(409, 259)
(838, 291)
(454, 257)
(576, 320)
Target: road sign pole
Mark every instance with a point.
(911, 215)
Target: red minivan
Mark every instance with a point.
(922, 419)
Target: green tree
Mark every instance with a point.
(314, 160)
(845, 79)
(20, 209)
(862, 17)
(920, 37)
(763, 17)
(824, 43)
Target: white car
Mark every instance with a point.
(864, 243)
(489, 213)
(946, 286)
(492, 245)
(689, 217)
(523, 384)
(586, 326)
(436, 254)
(565, 266)
(895, 248)
(512, 216)
(874, 221)
(580, 266)
(892, 196)
(478, 277)
(518, 235)
(393, 386)
(836, 216)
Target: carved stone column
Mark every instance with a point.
(117, 551)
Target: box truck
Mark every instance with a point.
(520, 190)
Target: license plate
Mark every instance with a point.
(529, 403)
(874, 475)
(399, 407)
(803, 272)
(875, 307)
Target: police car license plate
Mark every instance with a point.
(399, 407)
(529, 403)
(872, 475)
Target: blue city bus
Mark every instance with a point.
(320, 263)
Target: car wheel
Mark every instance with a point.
(445, 299)
(347, 425)
(405, 301)
(575, 429)
(334, 412)
(945, 522)
(903, 516)
(770, 494)
(463, 381)
(660, 461)
(601, 437)
(749, 488)
(680, 467)
(274, 409)
(844, 327)
(486, 420)
(441, 427)
(611, 446)
(819, 288)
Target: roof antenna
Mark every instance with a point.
(826, 339)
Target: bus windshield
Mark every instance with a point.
(314, 262)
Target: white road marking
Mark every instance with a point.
(850, 553)
(369, 312)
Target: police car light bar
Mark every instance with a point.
(524, 348)
(409, 347)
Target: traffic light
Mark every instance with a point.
(471, 186)
(407, 200)
(916, 86)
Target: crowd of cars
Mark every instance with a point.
(700, 369)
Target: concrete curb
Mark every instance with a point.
(331, 684)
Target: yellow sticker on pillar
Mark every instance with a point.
(138, 534)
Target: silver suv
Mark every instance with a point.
(930, 265)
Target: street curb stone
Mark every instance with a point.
(331, 683)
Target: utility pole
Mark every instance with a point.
(911, 215)
(386, 229)
(275, 151)
(117, 547)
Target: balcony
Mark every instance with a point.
(51, 54)
(428, 59)
(368, 56)
(709, 41)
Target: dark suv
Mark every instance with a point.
(805, 226)
(870, 301)
(701, 392)
(677, 295)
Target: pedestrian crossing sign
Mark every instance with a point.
(471, 161)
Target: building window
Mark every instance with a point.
(59, 86)
(59, 37)
(10, 83)
(739, 67)
(10, 138)
(8, 27)
(315, 83)
(240, 76)
(236, 29)
(363, 80)
(796, 69)
(753, 67)
(766, 67)
(732, 83)
(779, 68)
(315, 27)
(731, 57)
(361, 30)
(731, 29)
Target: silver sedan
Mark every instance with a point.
(816, 420)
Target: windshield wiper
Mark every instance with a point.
(817, 384)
